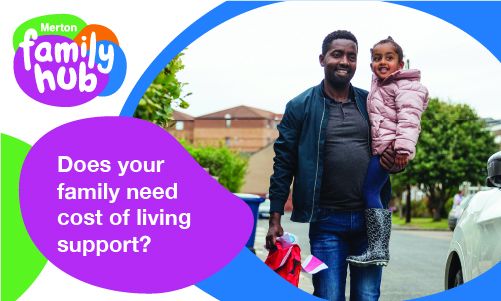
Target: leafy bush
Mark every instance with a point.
(227, 165)
(163, 93)
(420, 208)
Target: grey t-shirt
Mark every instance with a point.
(346, 157)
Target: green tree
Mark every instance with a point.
(453, 147)
(227, 165)
(164, 92)
(400, 183)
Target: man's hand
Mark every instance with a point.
(389, 163)
(388, 158)
(275, 230)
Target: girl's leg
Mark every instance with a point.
(374, 181)
(377, 219)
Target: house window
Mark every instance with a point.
(179, 125)
(228, 120)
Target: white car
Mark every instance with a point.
(476, 245)
(457, 211)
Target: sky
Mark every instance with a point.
(265, 57)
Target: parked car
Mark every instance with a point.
(457, 211)
(264, 209)
(475, 246)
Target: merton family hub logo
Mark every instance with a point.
(61, 61)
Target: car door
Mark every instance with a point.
(484, 247)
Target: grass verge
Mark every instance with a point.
(423, 223)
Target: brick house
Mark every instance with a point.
(259, 171)
(182, 127)
(242, 128)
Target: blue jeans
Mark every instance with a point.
(374, 181)
(332, 238)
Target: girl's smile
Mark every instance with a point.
(385, 60)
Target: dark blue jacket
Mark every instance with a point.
(299, 153)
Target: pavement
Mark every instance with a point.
(425, 273)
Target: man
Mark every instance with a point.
(324, 146)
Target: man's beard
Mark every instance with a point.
(337, 82)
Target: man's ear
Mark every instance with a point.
(321, 60)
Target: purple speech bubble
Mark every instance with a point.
(160, 258)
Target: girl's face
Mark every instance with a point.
(385, 60)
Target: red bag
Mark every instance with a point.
(286, 262)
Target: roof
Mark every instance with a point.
(242, 112)
(179, 116)
(495, 128)
(492, 122)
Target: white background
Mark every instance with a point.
(143, 29)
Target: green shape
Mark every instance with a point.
(21, 261)
(38, 24)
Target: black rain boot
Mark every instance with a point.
(378, 222)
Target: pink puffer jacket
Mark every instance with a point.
(395, 106)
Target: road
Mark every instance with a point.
(416, 268)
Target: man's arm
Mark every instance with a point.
(285, 162)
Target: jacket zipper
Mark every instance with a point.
(318, 158)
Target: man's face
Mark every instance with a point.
(340, 62)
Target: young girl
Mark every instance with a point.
(395, 104)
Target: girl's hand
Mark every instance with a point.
(401, 160)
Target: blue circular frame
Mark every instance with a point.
(246, 277)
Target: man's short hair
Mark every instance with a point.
(335, 35)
